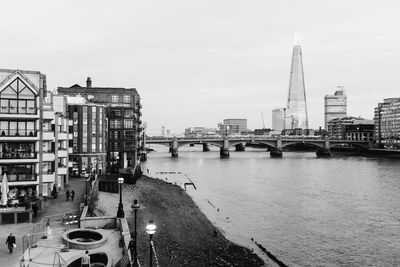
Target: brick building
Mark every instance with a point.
(123, 112)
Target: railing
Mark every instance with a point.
(42, 228)
(14, 132)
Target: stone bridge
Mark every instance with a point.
(275, 145)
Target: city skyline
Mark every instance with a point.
(197, 63)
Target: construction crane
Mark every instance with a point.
(262, 117)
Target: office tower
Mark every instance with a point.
(235, 126)
(278, 119)
(296, 109)
(335, 105)
(387, 123)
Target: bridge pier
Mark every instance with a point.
(326, 151)
(205, 147)
(224, 151)
(276, 152)
(239, 147)
(323, 153)
(174, 148)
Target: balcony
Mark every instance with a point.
(48, 136)
(48, 115)
(62, 153)
(18, 155)
(26, 178)
(48, 156)
(62, 136)
(62, 170)
(48, 177)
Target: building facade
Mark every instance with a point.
(335, 106)
(387, 123)
(124, 123)
(278, 120)
(360, 131)
(296, 108)
(55, 144)
(233, 126)
(337, 127)
(88, 141)
(21, 136)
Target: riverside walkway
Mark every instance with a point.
(52, 207)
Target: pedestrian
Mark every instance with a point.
(147, 171)
(11, 243)
(67, 194)
(85, 261)
(72, 195)
(131, 245)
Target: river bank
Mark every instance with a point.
(185, 236)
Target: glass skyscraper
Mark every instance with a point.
(296, 109)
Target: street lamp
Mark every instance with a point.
(151, 229)
(86, 193)
(135, 206)
(120, 212)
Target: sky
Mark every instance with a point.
(195, 63)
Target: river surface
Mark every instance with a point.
(307, 211)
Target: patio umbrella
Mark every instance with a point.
(4, 190)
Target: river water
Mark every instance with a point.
(307, 211)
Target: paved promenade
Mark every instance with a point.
(52, 207)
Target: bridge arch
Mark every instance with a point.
(181, 144)
(270, 145)
(163, 144)
(313, 144)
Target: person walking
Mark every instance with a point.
(11, 243)
(131, 245)
(72, 195)
(85, 262)
(67, 194)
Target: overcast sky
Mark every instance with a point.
(195, 63)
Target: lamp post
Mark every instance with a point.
(135, 207)
(86, 193)
(151, 229)
(120, 212)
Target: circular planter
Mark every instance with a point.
(84, 239)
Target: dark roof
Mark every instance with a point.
(76, 85)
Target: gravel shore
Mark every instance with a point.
(184, 237)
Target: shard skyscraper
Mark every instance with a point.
(296, 109)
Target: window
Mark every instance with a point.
(114, 99)
(17, 173)
(129, 146)
(115, 124)
(17, 150)
(127, 98)
(128, 113)
(17, 98)
(114, 146)
(116, 113)
(17, 128)
(128, 124)
(47, 167)
(129, 135)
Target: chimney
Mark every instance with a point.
(88, 82)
